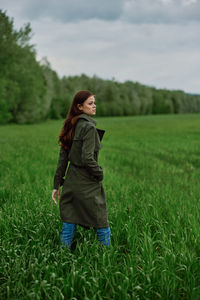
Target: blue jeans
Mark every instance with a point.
(68, 231)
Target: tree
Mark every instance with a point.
(22, 81)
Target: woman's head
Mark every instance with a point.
(83, 102)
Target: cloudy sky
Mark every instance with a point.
(154, 42)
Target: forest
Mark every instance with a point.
(31, 91)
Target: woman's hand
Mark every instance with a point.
(55, 193)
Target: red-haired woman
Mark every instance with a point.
(83, 200)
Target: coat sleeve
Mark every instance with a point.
(61, 168)
(88, 148)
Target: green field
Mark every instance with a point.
(152, 183)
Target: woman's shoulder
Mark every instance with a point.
(87, 119)
(85, 124)
(82, 128)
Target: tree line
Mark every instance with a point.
(30, 91)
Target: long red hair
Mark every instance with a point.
(67, 132)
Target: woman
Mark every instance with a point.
(83, 200)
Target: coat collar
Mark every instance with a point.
(88, 118)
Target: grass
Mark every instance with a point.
(151, 179)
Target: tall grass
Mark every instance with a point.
(151, 169)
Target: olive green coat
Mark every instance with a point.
(83, 199)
